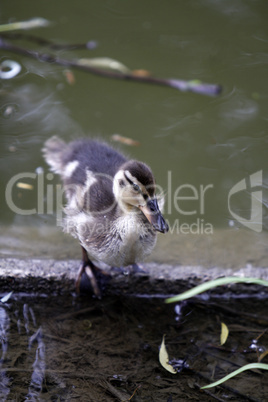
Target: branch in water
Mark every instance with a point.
(90, 45)
(192, 86)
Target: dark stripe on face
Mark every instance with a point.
(130, 181)
(145, 196)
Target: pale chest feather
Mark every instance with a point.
(126, 241)
(134, 241)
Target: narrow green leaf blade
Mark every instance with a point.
(250, 366)
(214, 283)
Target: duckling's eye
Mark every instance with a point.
(136, 187)
(121, 183)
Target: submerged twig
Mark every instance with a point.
(72, 314)
(119, 395)
(90, 45)
(192, 85)
(262, 320)
(69, 374)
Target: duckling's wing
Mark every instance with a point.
(87, 169)
(83, 154)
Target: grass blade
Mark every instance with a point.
(212, 284)
(250, 366)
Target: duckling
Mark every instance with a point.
(111, 204)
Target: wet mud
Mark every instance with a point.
(68, 348)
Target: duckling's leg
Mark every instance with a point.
(88, 267)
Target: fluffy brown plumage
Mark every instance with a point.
(111, 203)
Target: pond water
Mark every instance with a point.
(199, 147)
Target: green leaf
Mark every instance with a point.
(250, 366)
(212, 284)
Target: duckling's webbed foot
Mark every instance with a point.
(91, 271)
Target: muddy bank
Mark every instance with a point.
(159, 280)
(65, 348)
(60, 346)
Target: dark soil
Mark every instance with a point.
(79, 348)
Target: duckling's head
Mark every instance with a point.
(134, 190)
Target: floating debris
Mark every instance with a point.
(25, 186)
(105, 63)
(141, 73)
(9, 69)
(12, 148)
(110, 68)
(69, 75)
(9, 111)
(125, 140)
(33, 23)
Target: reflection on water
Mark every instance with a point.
(39, 364)
(32, 356)
(188, 140)
(4, 332)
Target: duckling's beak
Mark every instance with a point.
(153, 214)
